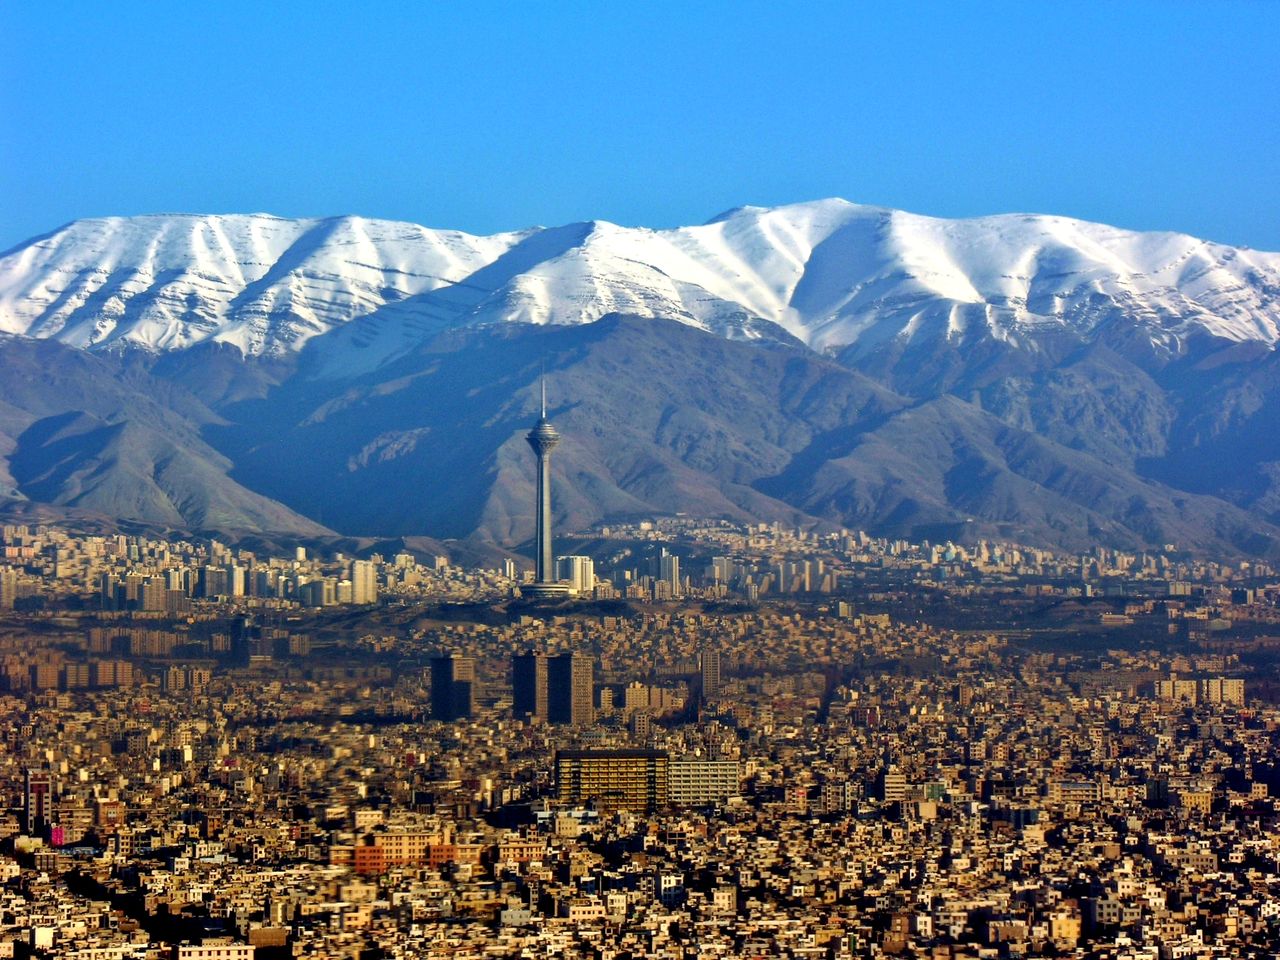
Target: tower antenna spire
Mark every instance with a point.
(544, 394)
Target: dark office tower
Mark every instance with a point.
(570, 689)
(37, 799)
(710, 663)
(110, 589)
(453, 687)
(543, 439)
(529, 685)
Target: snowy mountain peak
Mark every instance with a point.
(264, 283)
(834, 274)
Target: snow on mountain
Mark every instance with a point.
(263, 283)
(829, 272)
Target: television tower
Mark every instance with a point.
(543, 439)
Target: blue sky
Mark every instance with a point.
(495, 116)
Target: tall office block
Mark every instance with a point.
(364, 582)
(8, 587)
(154, 594)
(37, 799)
(453, 682)
(710, 670)
(529, 685)
(570, 689)
(669, 571)
(578, 573)
(695, 781)
(235, 580)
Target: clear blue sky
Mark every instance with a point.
(496, 116)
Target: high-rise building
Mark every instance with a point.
(710, 670)
(694, 781)
(74, 676)
(364, 582)
(453, 683)
(8, 587)
(578, 573)
(570, 689)
(108, 588)
(212, 582)
(37, 799)
(721, 569)
(529, 685)
(543, 439)
(669, 572)
(613, 779)
(154, 594)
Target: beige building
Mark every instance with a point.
(613, 779)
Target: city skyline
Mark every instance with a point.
(870, 748)
(905, 582)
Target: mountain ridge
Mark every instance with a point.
(1026, 376)
(835, 275)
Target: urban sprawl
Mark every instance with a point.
(716, 740)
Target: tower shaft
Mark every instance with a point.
(544, 564)
(543, 439)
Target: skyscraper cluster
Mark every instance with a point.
(559, 689)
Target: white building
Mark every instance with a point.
(693, 781)
(578, 572)
(364, 582)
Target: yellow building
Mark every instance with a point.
(613, 779)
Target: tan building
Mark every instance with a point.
(613, 779)
(1200, 801)
(214, 950)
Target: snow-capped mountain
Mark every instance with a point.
(262, 283)
(835, 275)
(1035, 377)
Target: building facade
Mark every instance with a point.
(635, 780)
(529, 685)
(453, 682)
(571, 689)
(695, 782)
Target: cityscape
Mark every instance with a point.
(708, 739)
(664, 481)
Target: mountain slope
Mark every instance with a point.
(97, 435)
(835, 275)
(1044, 378)
(660, 418)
